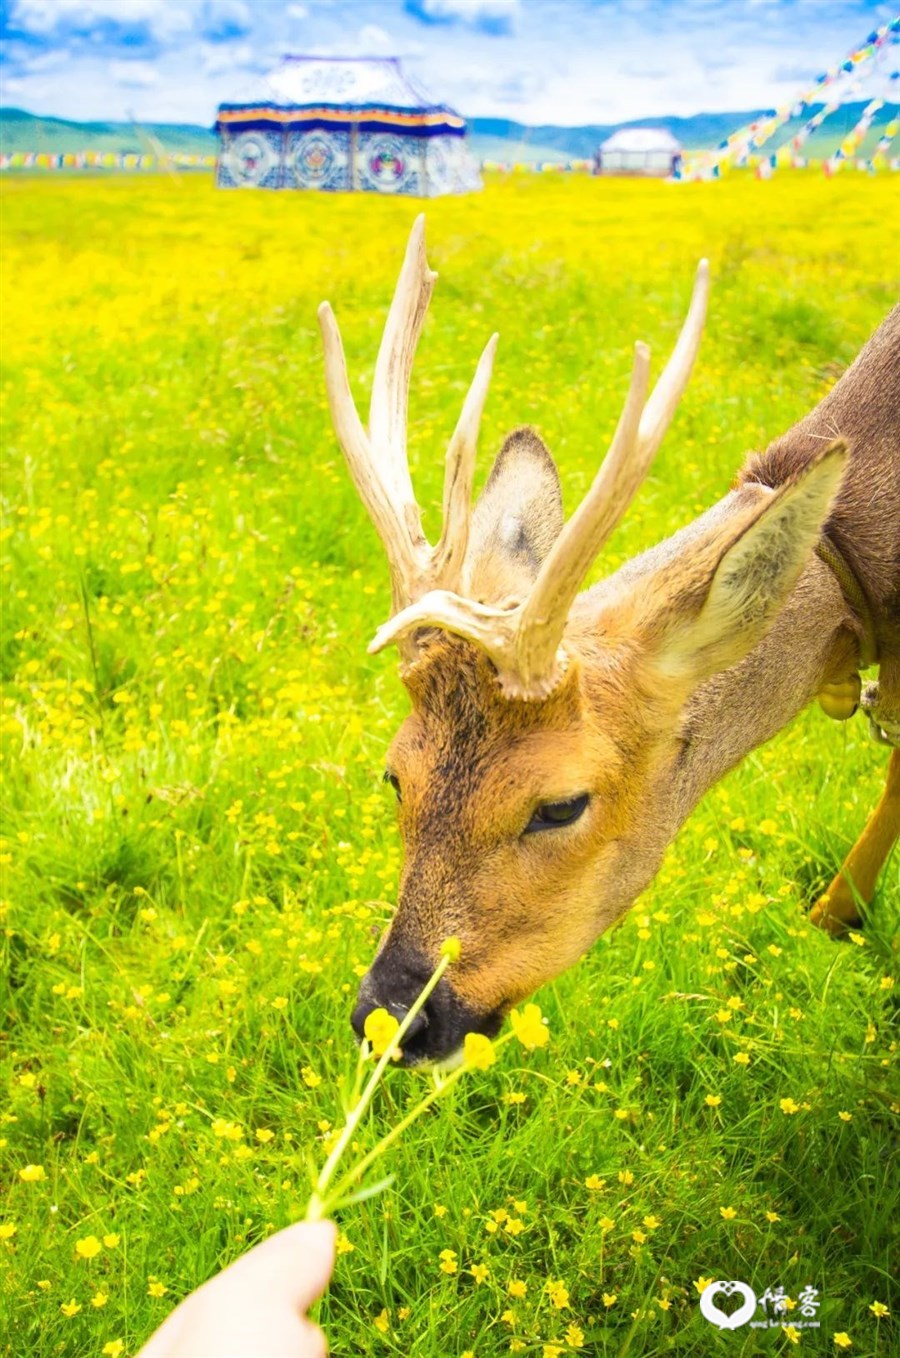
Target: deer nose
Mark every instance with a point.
(394, 982)
(395, 987)
(364, 1007)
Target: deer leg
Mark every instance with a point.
(837, 910)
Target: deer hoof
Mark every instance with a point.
(836, 912)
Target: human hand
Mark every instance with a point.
(255, 1308)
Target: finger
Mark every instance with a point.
(314, 1343)
(293, 1266)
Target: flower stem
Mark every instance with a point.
(317, 1207)
(359, 1169)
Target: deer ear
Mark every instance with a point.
(713, 603)
(515, 522)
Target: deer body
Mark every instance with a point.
(558, 739)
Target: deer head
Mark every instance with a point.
(534, 774)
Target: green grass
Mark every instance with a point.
(198, 849)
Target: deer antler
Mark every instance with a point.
(524, 642)
(377, 460)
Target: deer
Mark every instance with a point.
(559, 737)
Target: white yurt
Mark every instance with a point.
(343, 123)
(639, 150)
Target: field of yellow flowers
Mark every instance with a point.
(198, 851)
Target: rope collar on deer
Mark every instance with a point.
(855, 595)
(842, 699)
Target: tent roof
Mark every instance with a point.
(642, 139)
(349, 82)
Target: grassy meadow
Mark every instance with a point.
(198, 851)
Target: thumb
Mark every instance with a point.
(295, 1264)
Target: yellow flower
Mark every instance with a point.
(788, 1106)
(32, 1174)
(729, 1213)
(440, 1210)
(610, 1299)
(380, 1029)
(113, 1348)
(713, 1100)
(573, 1077)
(772, 1216)
(529, 1027)
(742, 1058)
(552, 1351)
(792, 1333)
(639, 1237)
(70, 1308)
(231, 1131)
(263, 1134)
(382, 1322)
(312, 1080)
(478, 1051)
(517, 1288)
(7, 1230)
(343, 1245)
(448, 1261)
(701, 1284)
(156, 1289)
(558, 1293)
(480, 1272)
(626, 1177)
(606, 1223)
(403, 1313)
(88, 1248)
(99, 1299)
(652, 1223)
(574, 1337)
(451, 948)
(879, 1310)
(845, 1117)
(111, 1240)
(843, 1340)
(595, 1183)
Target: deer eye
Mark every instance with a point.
(394, 782)
(553, 814)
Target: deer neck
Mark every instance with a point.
(812, 642)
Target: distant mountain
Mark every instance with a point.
(702, 131)
(491, 138)
(21, 131)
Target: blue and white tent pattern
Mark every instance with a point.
(344, 124)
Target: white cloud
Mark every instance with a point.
(297, 12)
(134, 75)
(476, 13)
(373, 40)
(163, 18)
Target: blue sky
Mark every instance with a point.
(562, 61)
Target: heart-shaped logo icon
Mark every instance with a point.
(716, 1316)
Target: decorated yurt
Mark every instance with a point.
(344, 124)
(640, 151)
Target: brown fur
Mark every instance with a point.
(864, 408)
(679, 664)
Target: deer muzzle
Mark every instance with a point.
(393, 983)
